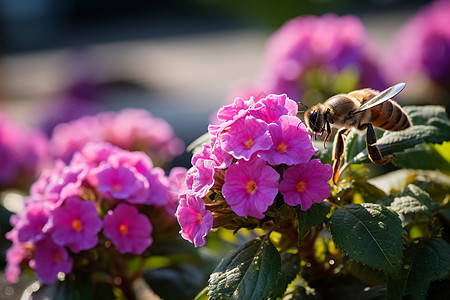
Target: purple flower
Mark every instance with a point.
(120, 183)
(128, 230)
(30, 222)
(76, 225)
(245, 137)
(422, 46)
(195, 221)
(305, 184)
(49, 260)
(291, 143)
(250, 187)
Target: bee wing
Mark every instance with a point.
(382, 97)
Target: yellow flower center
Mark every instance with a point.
(282, 147)
(117, 187)
(301, 186)
(250, 187)
(248, 143)
(200, 218)
(123, 229)
(76, 224)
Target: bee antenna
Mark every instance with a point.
(300, 103)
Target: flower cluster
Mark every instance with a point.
(98, 202)
(259, 152)
(131, 129)
(423, 45)
(23, 153)
(314, 57)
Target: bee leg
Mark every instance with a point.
(338, 153)
(328, 135)
(373, 151)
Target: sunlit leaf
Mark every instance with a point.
(370, 234)
(249, 272)
(412, 200)
(424, 157)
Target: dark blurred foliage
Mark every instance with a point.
(35, 25)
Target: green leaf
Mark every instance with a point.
(249, 272)
(289, 270)
(412, 200)
(425, 261)
(315, 215)
(423, 156)
(424, 114)
(196, 146)
(430, 125)
(355, 143)
(203, 295)
(371, 234)
(178, 282)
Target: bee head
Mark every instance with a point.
(314, 118)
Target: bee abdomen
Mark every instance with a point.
(390, 116)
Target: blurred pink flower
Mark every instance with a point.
(128, 230)
(31, 221)
(131, 129)
(422, 46)
(23, 154)
(103, 186)
(76, 224)
(305, 184)
(49, 260)
(306, 56)
(250, 187)
(120, 183)
(195, 221)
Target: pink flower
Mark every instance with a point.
(245, 137)
(291, 143)
(235, 110)
(177, 185)
(14, 257)
(120, 183)
(272, 107)
(49, 260)
(128, 230)
(305, 184)
(250, 187)
(76, 225)
(195, 221)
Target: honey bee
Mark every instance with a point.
(360, 109)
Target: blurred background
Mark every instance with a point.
(177, 59)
